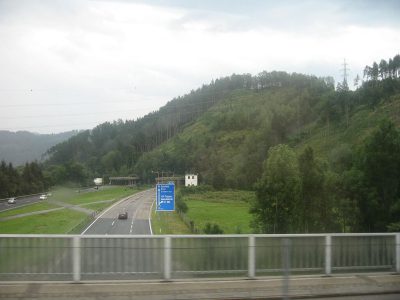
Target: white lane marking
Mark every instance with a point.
(133, 219)
(113, 223)
(136, 212)
(116, 203)
(151, 209)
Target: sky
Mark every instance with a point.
(68, 65)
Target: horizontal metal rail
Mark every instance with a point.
(77, 257)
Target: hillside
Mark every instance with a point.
(223, 130)
(319, 159)
(228, 144)
(23, 146)
(126, 147)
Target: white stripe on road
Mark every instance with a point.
(133, 219)
(116, 203)
(113, 223)
(151, 208)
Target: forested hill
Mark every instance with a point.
(223, 130)
(117, 148)
(23, 146)
(320, 159)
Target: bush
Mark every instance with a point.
(212, 229)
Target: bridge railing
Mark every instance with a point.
(114, 257)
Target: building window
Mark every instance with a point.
(192, 177)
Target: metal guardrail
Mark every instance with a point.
(99, 257)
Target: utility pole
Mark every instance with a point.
(345, 88)
(345, 70)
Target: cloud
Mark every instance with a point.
(122, 59)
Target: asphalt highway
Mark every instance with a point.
(138, 207)
(20, 201)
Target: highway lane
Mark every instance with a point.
(20, 201)
(138, 208)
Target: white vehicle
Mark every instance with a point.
(11, 201)
(98, 181)
(43, 197)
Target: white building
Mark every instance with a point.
(191, 180)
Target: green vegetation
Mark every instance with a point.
(61, 221)
(99, 206)
(28, 180)
(300, 194)
(105, 193)
(66, 220)
(27, 209)
(228, 210)
(167, 223)
(305, 147)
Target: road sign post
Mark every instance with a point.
(165, 197)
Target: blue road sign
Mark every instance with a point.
(166, 197)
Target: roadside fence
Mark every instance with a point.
(173, 257)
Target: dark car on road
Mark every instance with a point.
(123, 215)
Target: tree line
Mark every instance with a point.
(28, 179)
(303, 194)
(385, 69)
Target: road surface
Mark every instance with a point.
(20, 201)
(138, 208)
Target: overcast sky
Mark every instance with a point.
(74, 64)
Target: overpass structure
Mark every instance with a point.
(124, 180)
(180, 257)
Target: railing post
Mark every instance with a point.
(286, 249)
(252, 257)
(76, 258)
(397, 247)
(328, 255)
(167, 258)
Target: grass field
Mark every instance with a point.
(228, 209)
(99, 206)
(106, 193)
(61, 221)
(65, 220)
(27, 209)
(167, 222)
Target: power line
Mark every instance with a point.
(168, 109)
(222, 107)
(68, 104)
(168, 106)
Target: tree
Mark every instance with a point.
(312, 210)
(374, 71)
(396, 65)
(278, 192)
(383, 69)
(357, 81)
(380, 164)
(367, 72)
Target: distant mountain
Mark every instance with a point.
(23, 146)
